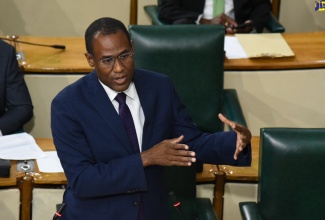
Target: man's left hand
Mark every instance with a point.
(243, 134)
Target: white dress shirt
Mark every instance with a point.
(133, 102)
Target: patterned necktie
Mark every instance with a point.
(218, 7)
(127, 119)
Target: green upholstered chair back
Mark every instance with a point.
(291, 181)
(193, 57)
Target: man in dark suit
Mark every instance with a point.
(255, 12)
(15, 103)
(110, 178)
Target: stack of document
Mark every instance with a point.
(271, 45)
(50, 164)
(20, 146)
(23, 146)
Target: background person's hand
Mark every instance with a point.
(243, 134)
(168, 153)
(221, 19)
(245, 29)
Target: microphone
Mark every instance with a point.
(14, 39)
(176, 203)
(58, 213)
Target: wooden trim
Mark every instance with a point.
(219, 189)
(25, 184)
(276, 8)
(134, 12)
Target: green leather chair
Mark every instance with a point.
(291, 175)
(273, 24)
(193, 56)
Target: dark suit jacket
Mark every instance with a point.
(105, 176)
(258, 11)
(15, 103)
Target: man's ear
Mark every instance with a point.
(90, 59)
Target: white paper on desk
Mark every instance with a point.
(50, 164)
(20, 146)
(233, 48)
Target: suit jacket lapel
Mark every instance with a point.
(146, 99)
(107, 111)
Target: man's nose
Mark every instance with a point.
(118, 66)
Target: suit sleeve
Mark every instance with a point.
(18, 104)
(213, 148)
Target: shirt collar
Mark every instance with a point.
(130, 92)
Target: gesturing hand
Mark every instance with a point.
(168, 153)
(243, 134)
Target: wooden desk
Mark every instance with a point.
(46, 144)
(49, 60)
(12, 179)
(207, 175)
(308, 48)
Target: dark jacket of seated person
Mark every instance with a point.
(16, 107)
(188, 12)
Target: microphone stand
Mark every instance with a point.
(20, 55)
(176, 204)
(14, 39)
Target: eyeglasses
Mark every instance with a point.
(110, 61)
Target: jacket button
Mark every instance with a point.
(136, 204)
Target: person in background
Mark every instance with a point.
(233, 14)
(16, 107)
(115, 128)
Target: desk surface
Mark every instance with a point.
(233, 173)
(49, 60)
(308, 48)
(46, 144)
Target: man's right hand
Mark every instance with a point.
(168, 153)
